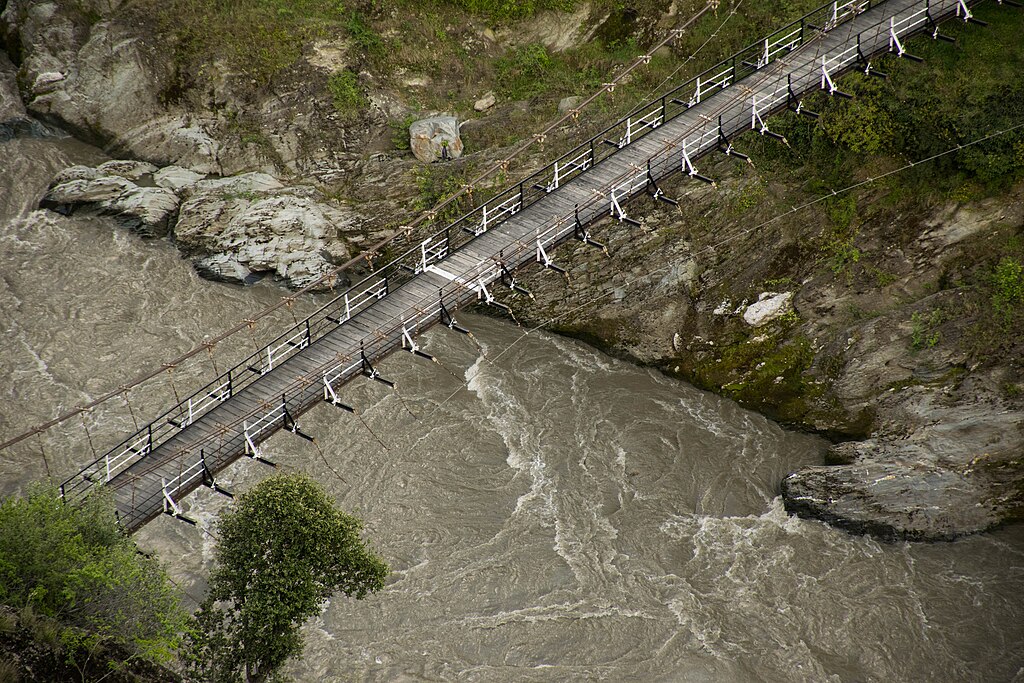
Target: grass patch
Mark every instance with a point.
(506, 10)
(923, 330)
(1008, 288)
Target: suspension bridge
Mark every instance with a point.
(151, 470)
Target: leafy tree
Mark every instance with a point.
(75, 565)
(282, 552)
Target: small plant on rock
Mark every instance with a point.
(348, 98)
(1008, 287)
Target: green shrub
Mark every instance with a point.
(400, 131)
(348, 98)
(522, 72)
(1008, 287)
(80, 582)
(283, 550)
(364, 37)
(923, 334)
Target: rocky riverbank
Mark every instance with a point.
(887, 356)
(875, 317)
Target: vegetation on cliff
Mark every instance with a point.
(960, 94)
(79, 602)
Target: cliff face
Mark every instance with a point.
(885, 318)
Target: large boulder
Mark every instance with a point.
(241, 228)
(435, 139)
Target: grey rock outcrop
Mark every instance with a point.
(235, 229)
(485, 102)
(898, 493)
(111, 190)
(435, 139)
(238, 229)
(567, 104)
(176, 178)
(99, 81)
(14, 120)
(768, 307)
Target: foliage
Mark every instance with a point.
(521, 73)
(862, 125)
(923, 332)
(282, 552)
(437, 182)
(345, 93)
(400, 131)
(74, 566)
(958, 95)
(363, 36)
(1007, 287)
(504, 10)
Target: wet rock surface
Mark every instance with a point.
(14, 119)
(899, 491)
(111, 189)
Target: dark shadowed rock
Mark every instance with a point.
(14, 120)
(893, 499)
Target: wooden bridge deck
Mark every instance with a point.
(175, 467)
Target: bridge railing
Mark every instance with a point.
(655, 112)
(496, 209)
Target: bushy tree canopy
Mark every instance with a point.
(73, 563)
(282, 552)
